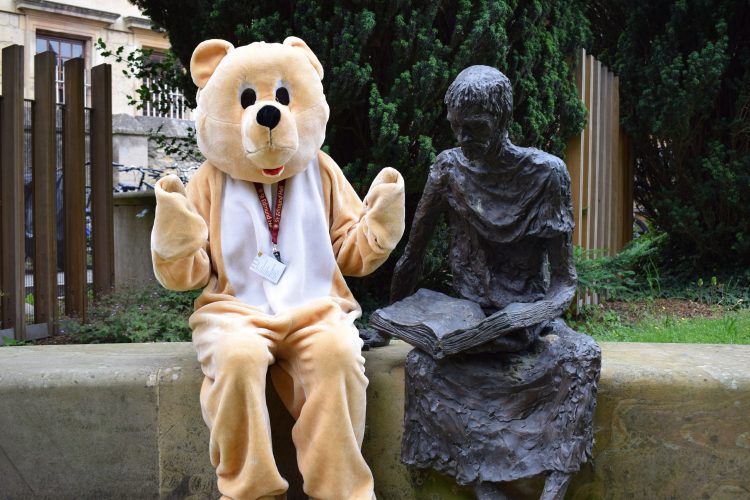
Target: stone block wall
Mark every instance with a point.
(133, 220)
(123, 421)
(133, 146)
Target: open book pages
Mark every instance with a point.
(441, 325)
(425, 318)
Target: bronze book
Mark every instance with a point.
(442, 325)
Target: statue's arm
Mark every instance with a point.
(562, 270)
(430, 207)
(562, 288)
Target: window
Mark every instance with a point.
(64, 49)
(165, 102)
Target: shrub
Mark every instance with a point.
(629, 274)
(137, 314)
(388, 65)
(684, 69)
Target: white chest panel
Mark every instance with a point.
(304, 242)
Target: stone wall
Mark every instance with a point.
(133, 147)
(123, 421)
(133, 220)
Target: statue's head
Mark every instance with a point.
(480, 104)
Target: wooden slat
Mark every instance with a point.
(588, 177)
(618, 178)
(582, 175)
(606, 228)
(11, 167)
(595, 157)
(8, 331)
(587, 173)
(102, 219)
(602, 150)
(613, 223)
(44, 175)
(74, 185)
(573, 156)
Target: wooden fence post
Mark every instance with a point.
(102, 223)
(45, 192)
(74, 187)
(13, 266)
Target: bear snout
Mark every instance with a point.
(268, 116)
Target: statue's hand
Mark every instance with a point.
(522, 314)
(385, 206)
(178, 231)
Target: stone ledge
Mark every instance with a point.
(123, 421)
(68, 10)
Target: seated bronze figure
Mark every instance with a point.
(522, 404)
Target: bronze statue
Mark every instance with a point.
(521, 404)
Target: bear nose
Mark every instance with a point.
(268, 116)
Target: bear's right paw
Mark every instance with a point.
(178, 231)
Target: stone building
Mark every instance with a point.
(71, 28)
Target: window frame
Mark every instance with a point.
(74, 41)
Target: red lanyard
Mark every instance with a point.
(273, 222)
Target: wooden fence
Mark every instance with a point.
(601, 164)
(16, 231)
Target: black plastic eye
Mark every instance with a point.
(282, 96)
(247, 98)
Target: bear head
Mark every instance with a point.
(261, 114)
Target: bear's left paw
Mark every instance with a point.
(385, 209)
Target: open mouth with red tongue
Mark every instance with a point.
(273, 172)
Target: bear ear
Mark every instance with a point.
(293, 41)
(206, 56)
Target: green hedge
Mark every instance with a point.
(388, 65)
(684, 68)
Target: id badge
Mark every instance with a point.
(268, 267)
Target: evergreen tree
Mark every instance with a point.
(389, 63)
(684, 68)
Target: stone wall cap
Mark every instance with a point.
(727, 366)
(92, 364)
(125, 124)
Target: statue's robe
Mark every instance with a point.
(500, 217)
(502, 416)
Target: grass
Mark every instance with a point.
(728, 327)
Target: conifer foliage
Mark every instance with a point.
(684, 68)
(388, 65)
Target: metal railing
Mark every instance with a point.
(169, 104)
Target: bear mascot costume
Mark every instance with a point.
(268, 226)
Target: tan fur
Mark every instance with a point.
(312, 350)
(229, 136)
